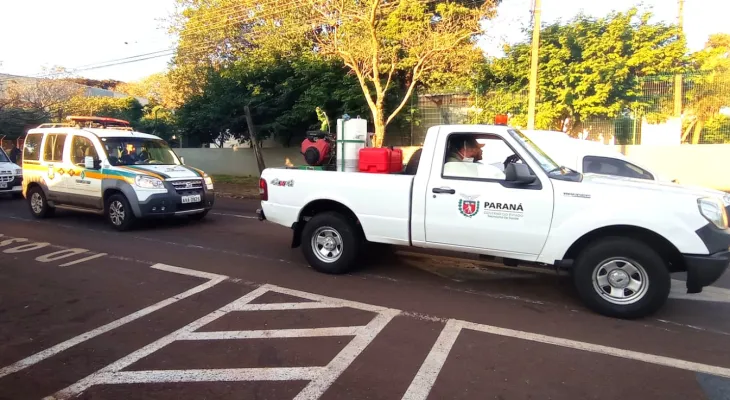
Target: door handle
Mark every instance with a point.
(443, 190)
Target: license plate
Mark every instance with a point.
(191, 199)
(3, 185)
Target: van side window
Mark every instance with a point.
(32, 147)
(81, 148)
(53, 150)
(614, 166)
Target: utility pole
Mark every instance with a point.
(254, 142)
(536, 8)
(678, 77)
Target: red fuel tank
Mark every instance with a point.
(380, 160)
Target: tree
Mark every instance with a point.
(589, 67)
(157, 88)
(390, 47)
(709, 90)
(127, 108)
(376, 39)
(282, 94)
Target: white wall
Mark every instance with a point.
(238, 161)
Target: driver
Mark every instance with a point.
(463, 159)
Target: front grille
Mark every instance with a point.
(187, 186)
(6, 178)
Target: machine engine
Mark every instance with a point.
(318, 149)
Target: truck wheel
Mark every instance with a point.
(331, 243)
(621, 277)
(38, 203)
(119, 213)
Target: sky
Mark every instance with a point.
(74, 33)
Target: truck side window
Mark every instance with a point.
(81, 148)
(478, 156)
(32, 147)
(53, 149)
(615, 167)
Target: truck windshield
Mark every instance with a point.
(3, 156)
(546, 163)
(136, 151)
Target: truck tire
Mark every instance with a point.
(621, 277)
(119, 213)
(331, 243)
(38, 204)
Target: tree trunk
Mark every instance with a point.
(379, 122)
(698, 131)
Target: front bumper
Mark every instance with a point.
(170, 204)
(704, 270)
(13, 186)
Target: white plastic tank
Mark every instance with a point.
(351, 137)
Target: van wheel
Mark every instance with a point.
(38, 203)
(119, 212)
(622, 278)
(331, 243)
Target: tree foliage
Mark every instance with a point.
(390, 47)
(709, 91)
(589, 67)
(282, 94)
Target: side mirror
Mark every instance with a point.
(182, 160)
(519, 173)
(91, 163)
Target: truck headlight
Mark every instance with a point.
(19, 172)
(208, 182)
(148, 182)
(714, 211)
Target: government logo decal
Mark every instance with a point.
(468, 206)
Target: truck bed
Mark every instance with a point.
(382, 202)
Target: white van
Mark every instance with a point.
(101, 165)
(11, 176)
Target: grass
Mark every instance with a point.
(240, 187)
(236, 180)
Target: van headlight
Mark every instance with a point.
(208, 182)
(19, 172)
(148, 182)
(714, 211)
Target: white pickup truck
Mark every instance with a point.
(620, 237)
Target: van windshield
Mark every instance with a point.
(3, 156)
(138, 151)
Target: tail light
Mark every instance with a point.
(263, 190)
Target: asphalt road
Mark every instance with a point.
(224, 309)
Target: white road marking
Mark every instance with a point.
(79, 261)
(274, 333)
(61, 254)
(234, 215)
(42, 355)
(426, 377)
(321, 378)
(284, 306)
(26, 247)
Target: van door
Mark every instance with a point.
(84, 184)
(54, 147)
(472, 206)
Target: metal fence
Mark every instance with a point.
(705, 111)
